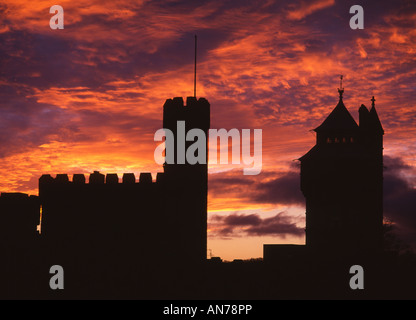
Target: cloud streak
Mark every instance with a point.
(235, 225)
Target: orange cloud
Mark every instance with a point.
(307, 8)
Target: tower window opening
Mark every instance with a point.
(328, 140)
(344, 140)
(351, 139)
(336, 140)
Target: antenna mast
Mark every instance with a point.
(195, 69)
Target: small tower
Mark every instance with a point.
(342, 181)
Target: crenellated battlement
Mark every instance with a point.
(191, 103)
(196, 112)
(97, 178)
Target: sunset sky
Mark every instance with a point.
(90, 97)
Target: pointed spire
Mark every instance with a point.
(340, 89)
(375, 121)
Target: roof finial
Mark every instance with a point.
(340, 89)
(372, 101)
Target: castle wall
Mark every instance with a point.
(109, 219)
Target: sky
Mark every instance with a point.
(90, 96)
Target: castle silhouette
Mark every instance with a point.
(148, 239)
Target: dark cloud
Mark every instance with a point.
(236, 224)
(268, 187)
(242, 220)
(394, 164)
(280, 225)
(284, 189)
(230, 184)
(400, 198)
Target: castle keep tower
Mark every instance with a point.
(108, 223)
(189, 182)
(342, 181)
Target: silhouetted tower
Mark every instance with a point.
(188, 182)
(342, 181)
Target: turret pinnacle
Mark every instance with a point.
(340, 89)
